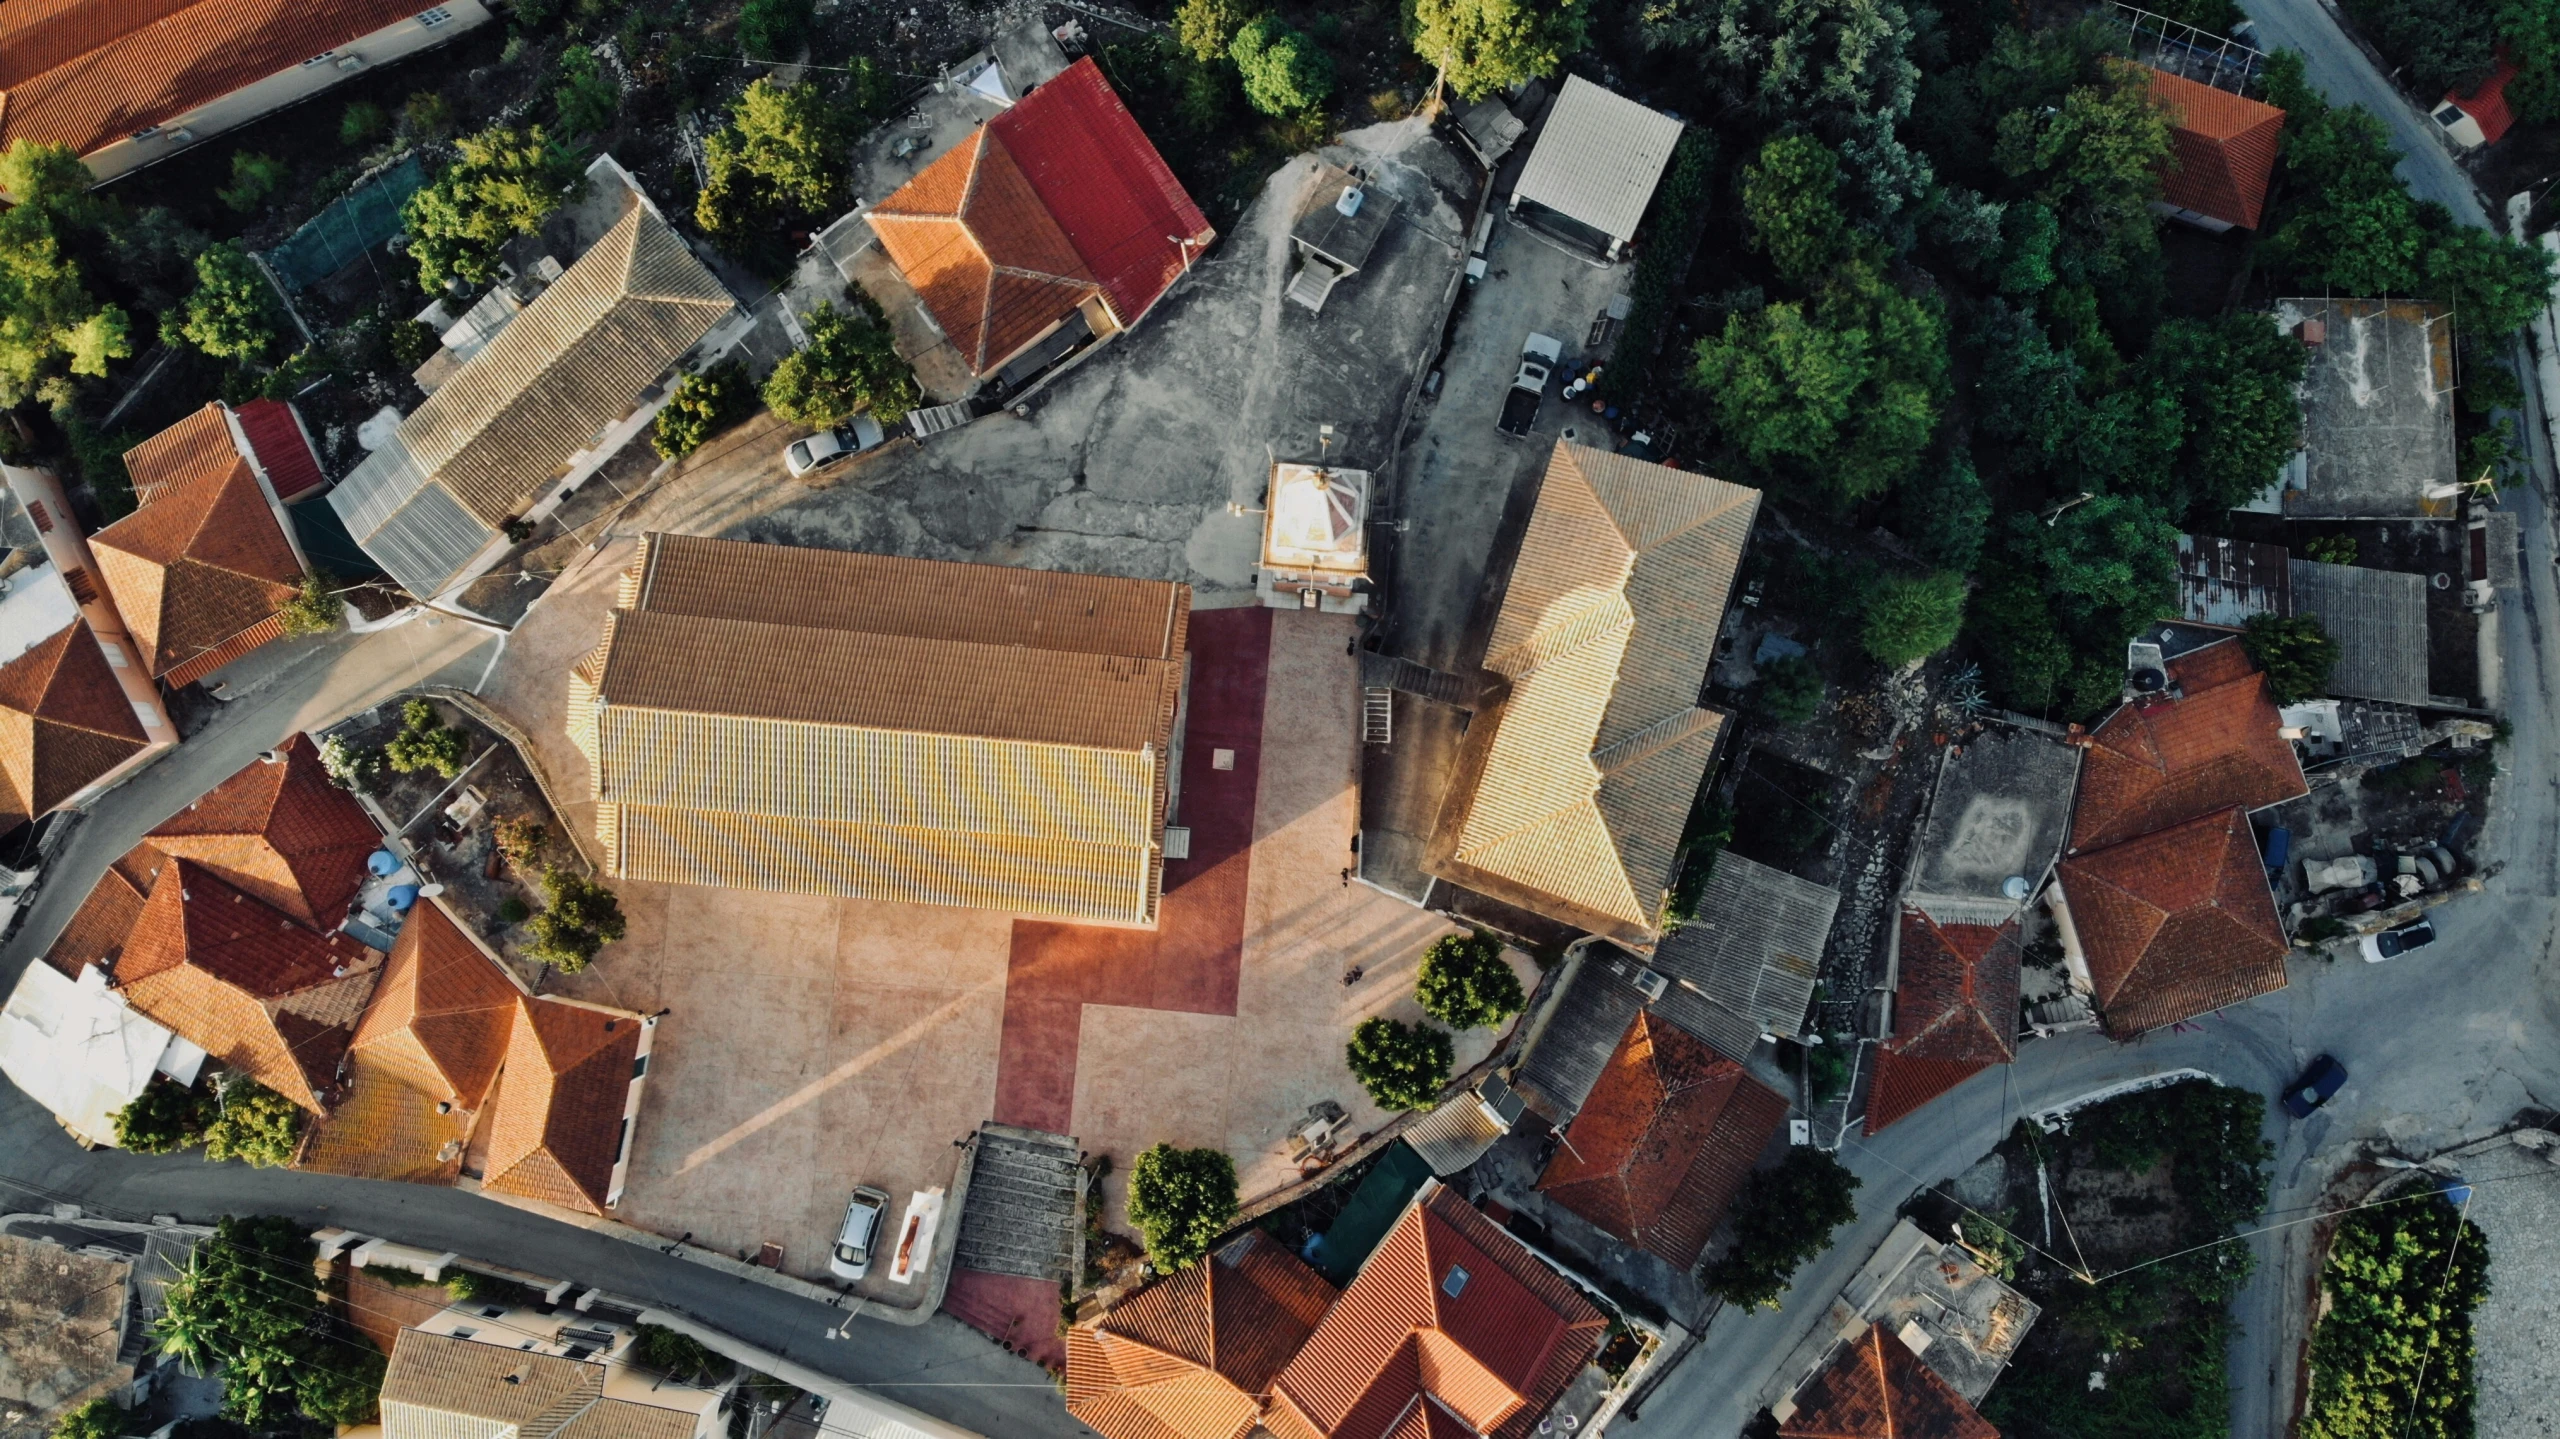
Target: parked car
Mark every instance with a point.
(2393, 943)
(829, 447)
(2323, 1079)
(852, 1256)
(1539, 356)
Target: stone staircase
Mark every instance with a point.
(1020, 1214)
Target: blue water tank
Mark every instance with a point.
(402, 896)
(382, 863)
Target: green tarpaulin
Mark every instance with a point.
(1383, 1193)
(355, 222)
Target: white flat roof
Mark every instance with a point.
(77, 1048)
(1598, 158)
(34, 607)
(1319, 520)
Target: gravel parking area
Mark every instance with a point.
(2515, 1199)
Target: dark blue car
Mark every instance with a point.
(2324, 1078)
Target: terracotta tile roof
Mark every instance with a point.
(1573, 787)
(383, 1127)
(98, 928)
(88, 72)
(2487, 105)
(1663, 1142)
(1879, 1389)
(444, 1387)
(63, 722)
(895, 729)
(202, 562)
(2176, 923)
(198, 447)
(556, 1125)
(2222, 148)
(1105, 185)
(1903, 1083)
(278, 443)
(1955, 1013)
(1190, 1357)
(1449, 1306)
(444, 1015)
(252, 988)
(2155, 763)
(281, 832)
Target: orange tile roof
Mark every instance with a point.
(2222, 148)
(198, 447)
(1450, 1308)
(556, 1124)
(252, 988)
(64, 721)
(2157, 762)
(281, 832)
(1663, 1142)
(98, 928)
(89, 72)
(1190, 1357)
(985, 256)
(2176, 923)
(444, 1014)
(1955, 1013)
(1879, 1389)
(382, 1127)
(201, 562)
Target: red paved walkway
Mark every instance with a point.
(1019, 1313)
(1190, 962)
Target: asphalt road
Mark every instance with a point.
(2441, 1048)
(941, 1367)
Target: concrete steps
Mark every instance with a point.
(1020, 1215)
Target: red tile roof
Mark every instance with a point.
(197, 447)
(443, 1016)
(2176, 923)
(1902, 1083)
(1663, 1142)
(98, 928)
(64, 721)
(198, 565)
(282, 832)
(1447, 1307)
(280, 446)
(1190, 1357)
(2487, 105)
(556, 1125)
(1057, 199)
(2160, 761)
(1955, 1013)
(1879, 1389)
(89, 72)
(2222, 149)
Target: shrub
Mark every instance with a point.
(2330, 549)
(512, 910)
(703, 405)
(583, 917)
(348, 766)
(412, 342)
(1285, 73)
(773, 29)
(425, 741)
(314, 609)
(1205, 28)
(586, 96)
(1403, 1066)
(232, 313)
(254, 178)
(1181, 1200)
(165, 1117)
(97, 1419)
(503, 185)
(1672, 226)
(362, 123)
(249, 1306)
(1790, 689)
(256, 1126)
(1783, 1217)
(520, 837)
(678, 1356)
(1466, 984)
(1913, 617)
(2296, 653)
(849, 365)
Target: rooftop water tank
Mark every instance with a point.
(382, 863)
(1348, 202)
(402, 896)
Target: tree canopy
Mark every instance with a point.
(1181, 1200)
(1285, 72)
(850, 365)
(779, 159)
(248, 1305)
(232, 314)
(2295, 651)
(1784, 1216)
(51, 326)
(2392, 1353)
(1465, 982)
(1403, 1066)
(503, 184)
(1485, 46)
(1911, 617)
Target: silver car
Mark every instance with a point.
(851, 1258)
(828, 447)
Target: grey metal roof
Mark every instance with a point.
(1598, 158)
(413, 529)
(1591, 1015)
(1746, 965)
(2000, 810)
(1492, 129)
(2223, 582)
(2378, 618)
(1453, 1136)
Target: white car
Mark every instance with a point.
(2392, 943)
(829, 447)
(851, 1258)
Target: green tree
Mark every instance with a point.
(1790, 689)
(503, 185)
(411, 342)
(1466, 983)
(314, 609)
(1403, 1066)
(580, 920)
(2531, 29)
(1791, 195)
(781, 157)
(1484, 46)
(850, 365)
(255, 179)
(2330, 549)
(678, 1356)
(2029, 233)
(97, 1419)
(256, 1126)
(1911, 617)
(165, 1117)
(1181, 1200)
(2095, 160)
(1285, 72)
(2295, 651)
(2437, 45)
(51, 328)
(586, 97)
(2349, 225)
(774, 29)
(1784, 1216)
(2393, 1350)
(2232, 379)
(2494, 285)
(232, 314)
(705, 403)
(1944, 512)
(362, 123)
(248, 1304)
(1205, 28)
(1807, 60)
(425, 741)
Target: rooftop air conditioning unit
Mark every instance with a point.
(1650, 985)
(350, 64)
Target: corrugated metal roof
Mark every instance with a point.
(1598, 158)
(1557, 1073)
(418, 533)
(1746, 965)
(1453, 1136)
(2378, 618)
(2224, 582)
